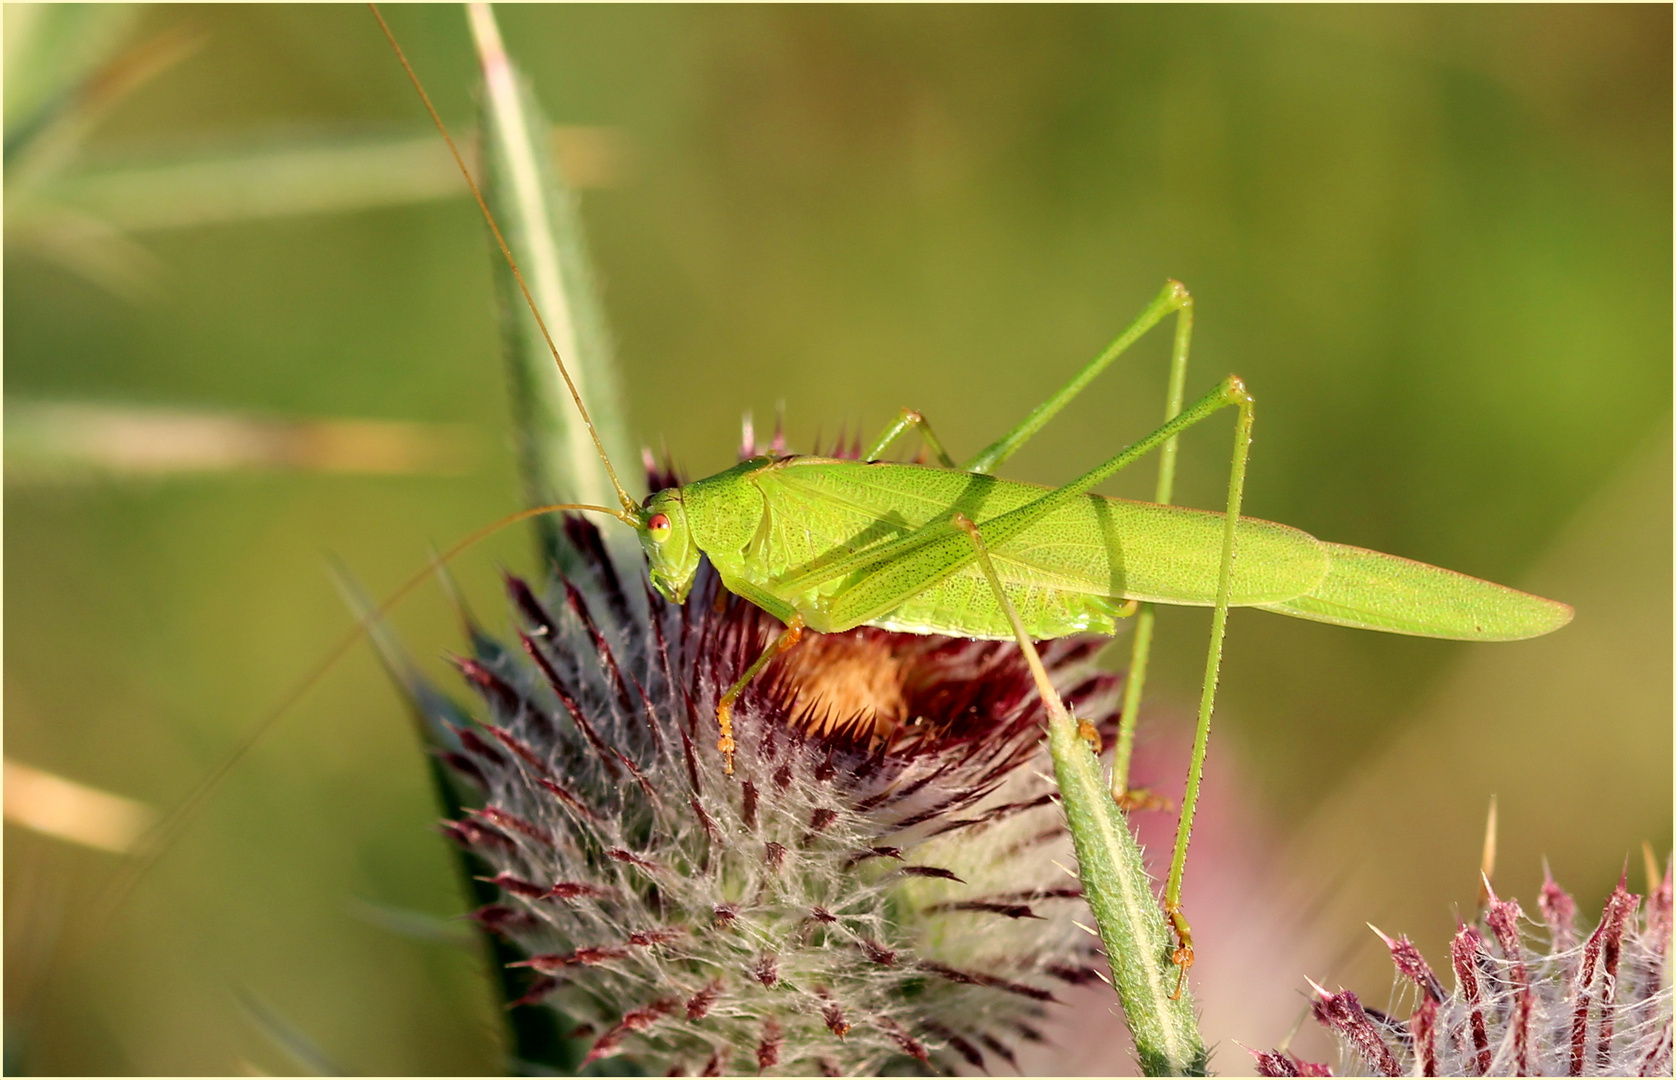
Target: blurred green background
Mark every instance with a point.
(1435, 241)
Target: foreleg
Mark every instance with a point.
(785, 641)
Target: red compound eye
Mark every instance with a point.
(658, 523)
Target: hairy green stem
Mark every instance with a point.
(1131, 924)
(1114, 879)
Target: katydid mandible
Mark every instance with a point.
(827, 545)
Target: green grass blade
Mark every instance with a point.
(264, 178)
(50, 48)
(287, 1036)
(541, 220)
(218, 181)
(418, 926)
(1115, 882)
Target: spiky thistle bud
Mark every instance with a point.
(875, 883)
(1524, 1004)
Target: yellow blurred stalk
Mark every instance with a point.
(55, 441)
(70, 811)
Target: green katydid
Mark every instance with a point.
(827, 545)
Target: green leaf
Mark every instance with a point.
(542, 223)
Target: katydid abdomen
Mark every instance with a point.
(771, 526)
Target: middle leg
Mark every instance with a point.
(909, 418)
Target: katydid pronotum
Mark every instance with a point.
(827, 545)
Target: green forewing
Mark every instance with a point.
(1374, 591)
(811, 535)
(1069, 571)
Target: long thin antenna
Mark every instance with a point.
(163, 834)
(629, 505)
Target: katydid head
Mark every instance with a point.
(670, 549)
